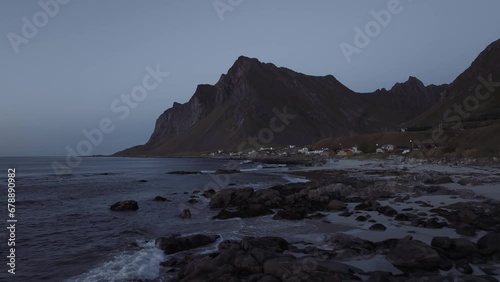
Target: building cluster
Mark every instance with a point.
(325, 152)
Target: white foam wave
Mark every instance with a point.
(292, 179)
(141, 265)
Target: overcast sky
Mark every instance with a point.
(63, 77)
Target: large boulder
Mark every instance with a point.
(247, 264)
(414, 254)
(268, 197)
(129, 205)
(461, 248)
(444, 243)
(174, 244)
(232, 197)
(489, 244)
(336, 205)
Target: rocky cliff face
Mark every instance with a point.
(254, 96)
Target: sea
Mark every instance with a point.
(65, 230)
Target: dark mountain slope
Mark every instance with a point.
(245, 100)
(485, 66)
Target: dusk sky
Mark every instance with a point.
(62, 73)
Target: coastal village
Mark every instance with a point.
(338, 152)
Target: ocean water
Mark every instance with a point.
(66, 231)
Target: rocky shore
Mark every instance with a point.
(404, 224)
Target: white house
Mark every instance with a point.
(388, 147)
(304, 151)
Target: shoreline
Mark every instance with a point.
(376, 213)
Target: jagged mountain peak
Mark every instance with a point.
(244, 100)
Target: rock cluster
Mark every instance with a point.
(129, 205)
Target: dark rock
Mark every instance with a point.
(354, 200)
(387, 211)
(208, 193)
(186, 213)
(183, 172)
(174, 244)
(336, 205)
(316, 216)
(247, 264)
(143, 181)
(274, 244)
(469, 181)
(348, 246)
(402, 217)
(361, 218)
(414, 254)
(261, 255)
(380, 276)
(442, 242)
(345, 214)
(439, 180)
(401, 199)
(291, 214)
(268, 197)
(244, 212)
(461, 248)
(231, 198)
(465, 230)
(466, 216)
(445, 264)
(278, 267)
(319, 253)
(489, 244)
(490, 269)
(463, 267)
(228, 244)
(129, 205)
(487, 223)
(434, 223)
(160, 199)
(367, 206)
(425, 205)
(378, 227)
(192, 201)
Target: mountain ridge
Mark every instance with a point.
(241, 103)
